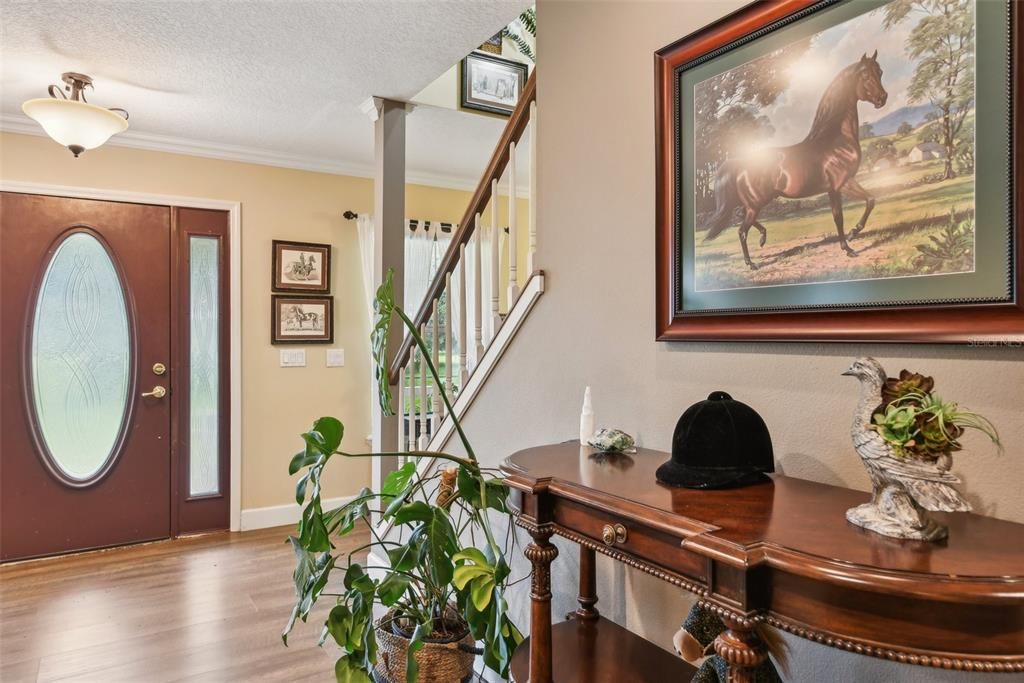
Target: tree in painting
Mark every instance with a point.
(942, 45)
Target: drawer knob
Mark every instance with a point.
(613, 534)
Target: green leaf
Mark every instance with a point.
(332, 431)
(403, 558)
(302, 459)
(412, 668)
(468, 485)
(471, 554)
(384, 307)
(300, 488)
(481, 592)
(440, 535)
(347, 671)
(398, 481)
(417, 511)
(356, 579)
(339, 621)
(467, 572)
(392, 588)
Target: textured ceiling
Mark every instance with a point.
(285, 77)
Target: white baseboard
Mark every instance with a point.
(279, 515)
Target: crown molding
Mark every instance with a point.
(22, 125)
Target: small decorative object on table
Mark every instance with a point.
(718, 443)
(695, 639)
(586, 418)
(906, 436)
(612, 441)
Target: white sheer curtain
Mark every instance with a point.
(364, 228)
(424, 248)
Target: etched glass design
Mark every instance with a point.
(204, 366)
(80, 357)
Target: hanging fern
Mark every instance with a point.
(528, 19)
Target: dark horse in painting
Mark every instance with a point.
(826, 161)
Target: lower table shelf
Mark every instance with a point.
(601, 651)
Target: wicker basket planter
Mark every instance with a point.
(447, 660)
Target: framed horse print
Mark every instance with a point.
(841, 170)
(301, 319)
(301, 267)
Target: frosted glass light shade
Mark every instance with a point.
(76, 125)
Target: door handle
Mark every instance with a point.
(158, 392)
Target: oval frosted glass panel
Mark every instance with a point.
(80, 357)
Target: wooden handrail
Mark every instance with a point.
(499, 159)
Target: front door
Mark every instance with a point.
(86, 398)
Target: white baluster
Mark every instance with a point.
(478, 296)
(532, 197)
(402, 436)
(448, 341)
(410, 436)
(421, 426)
(463, 370)
(513, 275)
(437, 357)
(495, 267)
(424, 404)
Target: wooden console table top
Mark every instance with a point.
(782, 553)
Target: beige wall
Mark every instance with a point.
(595, 324)
(277, 404)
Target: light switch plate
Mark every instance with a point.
(293, 358)
(335, 358)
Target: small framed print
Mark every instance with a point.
(301, 267)
(301, 319)
(491, 84)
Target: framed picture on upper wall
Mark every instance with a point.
(842, 170)
(491, 84)
(301, 267)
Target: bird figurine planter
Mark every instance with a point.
(906, 435)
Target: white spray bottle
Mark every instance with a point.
(586, 419)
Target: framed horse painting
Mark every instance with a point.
(301, 267)
(842, 170)
(301, 319)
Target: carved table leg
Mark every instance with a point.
(741, 648)
(588, 587)
(540, 553)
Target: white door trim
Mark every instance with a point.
(234, 210)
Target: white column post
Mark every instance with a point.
(532, 198)
(463, 340)
(513, 275)
(478, 296)
(389, 252)
(495, 260)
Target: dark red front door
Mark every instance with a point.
(85, 314)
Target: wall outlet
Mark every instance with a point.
(293, 358)
(335, 358)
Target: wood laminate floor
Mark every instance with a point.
(208, 608)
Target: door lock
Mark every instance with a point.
(158, 392)
(159, 368)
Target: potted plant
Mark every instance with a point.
(440, 592)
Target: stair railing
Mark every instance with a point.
(420, 407)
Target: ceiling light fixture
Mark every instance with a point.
(72, 121)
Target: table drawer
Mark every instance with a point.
(647, 544)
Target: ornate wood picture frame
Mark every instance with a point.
(491, 84)
(300, 267)
(301, 319)
(938, 260)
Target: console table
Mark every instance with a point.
(779, 553)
